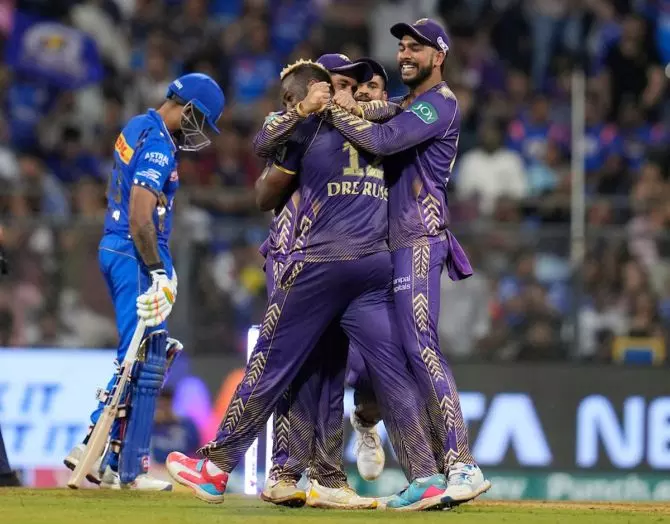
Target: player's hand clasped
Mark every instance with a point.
(346, 101)
(317, 98)
(155, 304)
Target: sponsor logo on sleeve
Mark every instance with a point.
(122, 149)
(150, 174)
(425, 111)
(157, 158)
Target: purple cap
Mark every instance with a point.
(377, 68)
(426, 31)
(342, 65)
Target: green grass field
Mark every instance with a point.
(26, 506)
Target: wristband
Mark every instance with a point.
(156, 267)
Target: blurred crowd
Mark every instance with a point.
(511, 66)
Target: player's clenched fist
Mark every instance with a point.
(317, 98)
(155, 304)
(345, 100)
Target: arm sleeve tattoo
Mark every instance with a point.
(146, 243)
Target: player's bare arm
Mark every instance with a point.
(142, 229)
(273, 186)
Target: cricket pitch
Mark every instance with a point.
(61, 506)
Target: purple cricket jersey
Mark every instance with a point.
(282, 229)
(342, 207)
(420, 145)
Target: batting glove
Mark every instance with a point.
(155, 304)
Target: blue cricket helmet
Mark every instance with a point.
(203, 92)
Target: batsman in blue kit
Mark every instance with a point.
(135, 260)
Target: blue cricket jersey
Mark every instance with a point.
(144, 155)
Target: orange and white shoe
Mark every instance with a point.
(206, 480)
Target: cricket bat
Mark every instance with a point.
(98, 439)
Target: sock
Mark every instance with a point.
(212, 469)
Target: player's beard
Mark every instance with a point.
(422, 73)
(363, 97)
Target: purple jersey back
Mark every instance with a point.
(342, 202)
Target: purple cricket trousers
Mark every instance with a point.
(297, 317)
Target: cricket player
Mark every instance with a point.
(292, 454)
(422, 142)
(338, 269)
(135, 260)
(8, 477)
(368, 449)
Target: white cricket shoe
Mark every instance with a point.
(110, 480)
(319, 496)
(465, 482)
(283, 493)
(73, 458)
(368, 449)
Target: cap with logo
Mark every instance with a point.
(342, 64)
(203, 92)
(377, 68)
(425, 31)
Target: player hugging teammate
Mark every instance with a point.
(358, 187)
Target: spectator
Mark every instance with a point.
(645, 320)
(40, 194)
(639, 137)
(191, 27)
(545, 174)
(464, 316)
(597, 319)
(602, 140)
(255, 68)
(153, 83)
(633, 71)
(71, 162)
(546, 20)
(292, 23)
(528, 135)
(491, 171)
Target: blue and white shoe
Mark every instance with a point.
(465, 482)
(420, 495)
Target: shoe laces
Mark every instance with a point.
(370, 440)
(461, 474)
